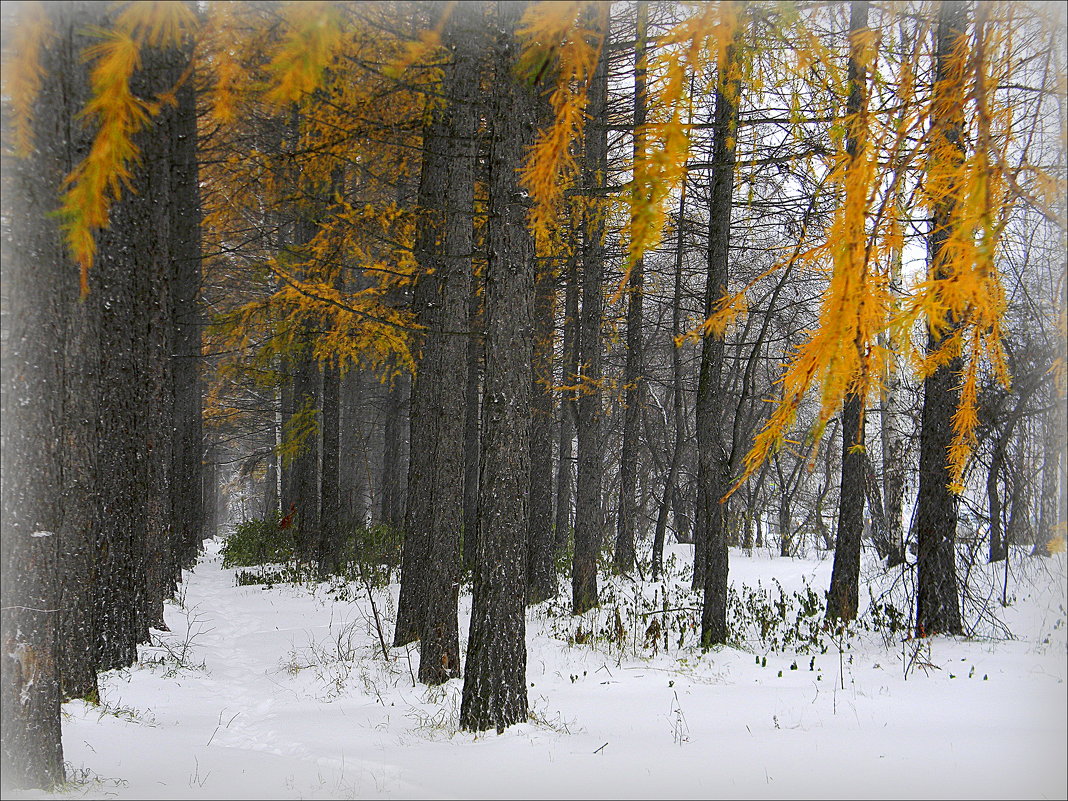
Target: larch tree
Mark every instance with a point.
(843, 596)
(589, 511)
(446, 352)
(495, 687)
(33, 266)
(626, 523)
(938, 600)
(711, 565)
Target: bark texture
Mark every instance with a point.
(938, 602)
(495, 688)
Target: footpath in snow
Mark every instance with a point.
(283, 692)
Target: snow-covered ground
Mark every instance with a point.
(284, 693)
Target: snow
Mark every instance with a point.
(284, 693)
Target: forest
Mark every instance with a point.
(467, 338)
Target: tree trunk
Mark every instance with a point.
(394, 439)
(307, 384)
(352, 452)
(589, 515)
(569, 372)
(632, 373)
(843, 595)
(997, 538)
(938, 604)
(472, 415)
(286, 409)
(541, 566)
(439, 650)
(713, 457)
(842, 598)
(131, 254)
(495, 688)
(34, 268)
(331, 528)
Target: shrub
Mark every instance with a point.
(259, 542)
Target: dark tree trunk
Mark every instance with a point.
(307, 381)
(568, 412)
(425, 414)
(589, 514)
(352, 452)
(938, 603)
(80, 503)
(844, 593)
(713, 457)
(394, 439)
(187, 444)
(210, 486)
(633, 379)
(160, 160)
(285, 479)
(677, 399)
(472, 414)
(34, 269)
(541, 566)
(495, 689)
(329, 484)
(133, 264)
(446, 351)
(842, 598)
(997, 549)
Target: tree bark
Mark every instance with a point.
(714, 459)
(187, 443)
(495, 689)
(439, 650)
(842, 598)
(332, 530)
(589, 514)
(569, 372)
(34, 266)
(472, 424)
(938, 603)
(633, 380)
(541, 565)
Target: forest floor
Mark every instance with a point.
(283, 692)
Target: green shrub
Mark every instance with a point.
(259, 542)
(372, 553)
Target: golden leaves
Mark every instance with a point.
(23, 74)
(554, 33)
(313, 31)
(98, 180)
(157, 24)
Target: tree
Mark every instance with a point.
(541, 564)
(937, 602)
(33, 266)
(446, 355)
(495, 688)
(632, 376)
(843, 596)
(713, 455)
(589, 514)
